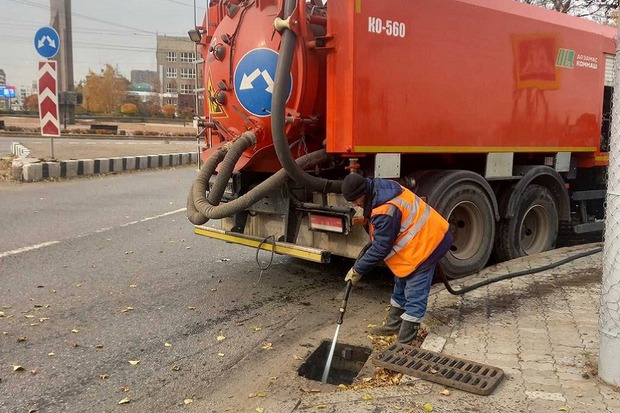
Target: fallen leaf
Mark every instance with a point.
(566, 408)
(260, 410)
(29, 316)
(50, 354)
(103, 376)
(33, 410)
(428, 407)
(267, 346)
(124, 389)
(42, 319)
(133, 285)
(124, 310)
(33, 372)
(124, 401)
(371, 326)
(296, 357)
(1, 314)
(188, 401)
(367, 397)
(320, 406)
(18, 368)
(134, 362)
(75, 330)
(221, 354)
(213, 290)
(167, 345)
(21, 339)
(251, 395)
(433, 371)
(191, 308)
(256, 328)
(445, 392)
(261, 394)
(221, 338)
(309, 390)
(34, 324)
(176, 368)
(98, 345)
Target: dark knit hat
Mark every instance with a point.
(353, 186)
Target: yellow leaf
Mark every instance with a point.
(99, 346)
(176, 368)
(1, 314)
(18, 368)
(21, 339)
(428, 407)
(188, 401)
(191, 308)
(367, 397)
(260, 410)
(213, 289)
(124, 401)
(565, 408)
(34, 324)
(133, 285)
(320, 406)
(124, 310)
(75, 330)
(50, 354)
(445, 392)
(267, 346)
(167, 345)
(134, 362)
(296, 357)
(342, 386)
(256, 328)
(371, 326)
(221, 338)
(261, 394)
(103, 376)
(42, 319)
(29, 316)
(221, 354)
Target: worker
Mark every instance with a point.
(410, 237)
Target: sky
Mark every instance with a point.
(119, 32)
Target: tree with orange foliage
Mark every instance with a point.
(31, 103)
(104, 93)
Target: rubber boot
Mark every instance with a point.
(392, 325)
(408, 332)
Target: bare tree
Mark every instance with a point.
(603, 11)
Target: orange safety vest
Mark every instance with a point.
(421, 230)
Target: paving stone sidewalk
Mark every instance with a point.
(541, 329)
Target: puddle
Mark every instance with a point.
(347, 362)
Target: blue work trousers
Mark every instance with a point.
(411, 294)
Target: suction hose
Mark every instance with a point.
(278, 107)
(199, 210)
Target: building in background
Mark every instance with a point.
(25, 91)
(141, 78)
(2, 77)
(176, 68)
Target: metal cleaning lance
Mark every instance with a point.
(343, 308)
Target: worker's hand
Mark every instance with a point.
(353, 276)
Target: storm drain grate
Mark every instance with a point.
(440, 368)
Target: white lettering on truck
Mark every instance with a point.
(390, 28)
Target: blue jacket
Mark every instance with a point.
(387, 228)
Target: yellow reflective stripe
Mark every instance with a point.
(411, 234)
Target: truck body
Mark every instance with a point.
(496, 112)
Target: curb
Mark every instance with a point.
(32, 170)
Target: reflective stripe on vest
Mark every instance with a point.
(417, 218)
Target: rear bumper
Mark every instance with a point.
(284, 248)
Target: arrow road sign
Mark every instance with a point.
(254, 76)
(47, 42)
(48, 99)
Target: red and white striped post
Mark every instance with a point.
(48, 101)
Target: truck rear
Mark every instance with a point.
(496, 112)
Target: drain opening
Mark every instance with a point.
(347, 362)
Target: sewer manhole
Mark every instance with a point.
(347, 362)
(440, 368)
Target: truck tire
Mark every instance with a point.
(469, 211)
(532, 229)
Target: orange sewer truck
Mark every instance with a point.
(496, 112)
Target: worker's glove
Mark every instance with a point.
(353, 276)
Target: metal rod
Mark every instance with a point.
(328, 364)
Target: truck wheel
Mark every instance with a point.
(472, 224)
(532, 229)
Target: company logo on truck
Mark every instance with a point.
(566, 58)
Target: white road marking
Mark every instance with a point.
(100, 230)
(26, 249)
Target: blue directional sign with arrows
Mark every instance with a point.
(254, 78)
(47, 42)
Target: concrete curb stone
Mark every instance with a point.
(32, 170)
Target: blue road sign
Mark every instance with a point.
(47, 42)
(254, 77)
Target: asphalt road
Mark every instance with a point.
(95, 273)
